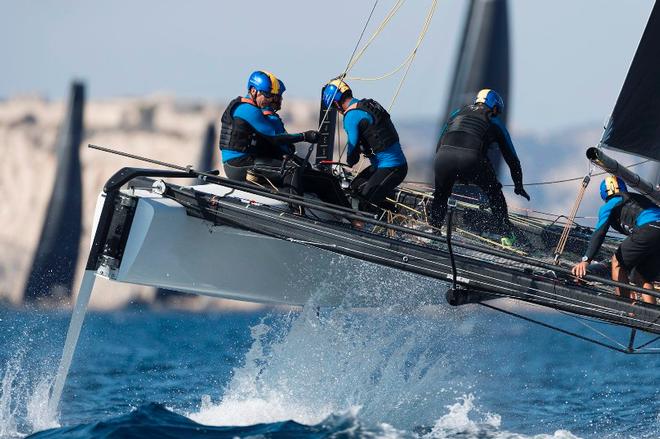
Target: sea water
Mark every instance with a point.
(431, 372)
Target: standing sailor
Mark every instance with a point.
(639, 219)
(462, 155)
(246, 134)
(370, 132)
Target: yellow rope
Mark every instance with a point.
(377, 32)
(422, 34)
(410, 56)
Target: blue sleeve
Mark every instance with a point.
(255, 118)
(263, 126)
(603, 225)
(277, 123)
(508, 151)
(352, 126)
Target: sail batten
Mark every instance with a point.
(634, 126)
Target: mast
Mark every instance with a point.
(55, 258)
(483, 58)
(325, 149)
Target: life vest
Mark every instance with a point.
(380, 134)
(471, 120)
(236, 134)
(626, 213)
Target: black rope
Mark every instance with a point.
(450, 216)
(643, 345)
(566, 332)
(541, 183)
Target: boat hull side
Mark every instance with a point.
(169, 249)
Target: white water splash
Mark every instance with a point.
(39, 411)
(395, 372)
(458, 424)
(8, 424)
(24, 398)
(388, 364)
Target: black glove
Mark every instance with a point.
(519, 190)
(353, 158)
(311, 136)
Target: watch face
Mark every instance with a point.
(585, 259)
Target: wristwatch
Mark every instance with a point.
(584, 259)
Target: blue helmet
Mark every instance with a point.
(610, 186)
(334, 91)
(265, 82)
(490, 99)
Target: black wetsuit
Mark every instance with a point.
(461, 156)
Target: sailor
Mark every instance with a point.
(371, 132)
(247, 135)
(461, 154)
(639, 219)
(303, 178)
(271, 113)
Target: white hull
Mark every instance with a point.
(167, 248)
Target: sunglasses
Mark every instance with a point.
(269, 95)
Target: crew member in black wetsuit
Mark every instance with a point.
(637, 217)
(246, 134)
(370, 132)
(461, 155)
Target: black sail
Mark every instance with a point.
(54, 262)
(483, 57)
(634, 126)
(207, 157)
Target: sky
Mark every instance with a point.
(569, 57)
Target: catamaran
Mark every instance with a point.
(248, 241)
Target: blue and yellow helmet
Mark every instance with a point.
(610, 186)
(490, 99)
(265, 82)
(334, 91)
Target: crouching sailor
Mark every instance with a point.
(370, 132)
(638, 218)
(303, 177)
(246, 134)
(462, 155)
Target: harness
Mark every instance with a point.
(626, 214)
(236, 134)
(380, 134)
(471, 120)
